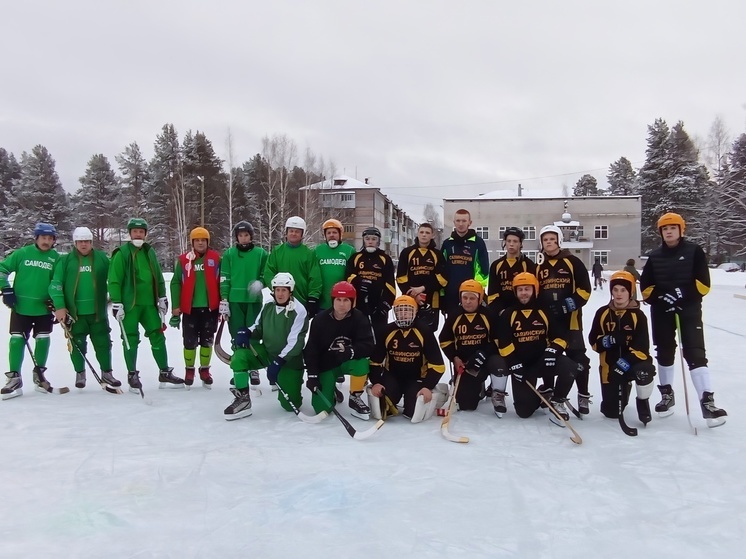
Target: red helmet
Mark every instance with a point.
(344, 289)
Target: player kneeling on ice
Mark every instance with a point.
(275, 342)
(78, 292)
(532, 349)
(619, 334)
(195, 294)
(407, 363)
(468, 339)
(339, 343)
(27, 300)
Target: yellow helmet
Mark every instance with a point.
(199, 233)
(472, 286)
(672, 219)
(625, 279)
(526, 278)
(405, 309)
(333, 223)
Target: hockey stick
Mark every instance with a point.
(72, 344)
(45, 385)
(447, 419)
(575, 412)
(575, 437)
(355, 434)
(683, 375)
(224, 356)
(630, 431)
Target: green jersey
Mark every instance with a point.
(332, 264)
(238, 269)
(135, 277)
(33, 269)
(79, 283)
(282, 332)
(302, 264)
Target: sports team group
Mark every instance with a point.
(329, 318)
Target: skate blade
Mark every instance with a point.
(134, 390)
(14, 394)
(713, 422)
(205, 385)
(257, 390)
(239, 415)
(274, 387)
(499, 414)
(666, 413)
(553, 418)
(171, 385)
(363, 416)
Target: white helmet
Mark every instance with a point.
(82, 234)
(296, 222)
(283, 279)
(551, 229)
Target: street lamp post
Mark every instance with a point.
(202, 205)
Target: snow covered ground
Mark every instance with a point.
(90, 474)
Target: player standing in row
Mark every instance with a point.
(421, 275)
(27, 299)
(564, 287)
(332, 256)
(78, 293)
(407, 364)
(673, 281)
(340, 341)
(468, 340)
(619, 333)
(138, 295)
(505, 268)
(532, 347)
(371, 272)
(466, 258)
(195, 298)
(275, 342)
(241, 270)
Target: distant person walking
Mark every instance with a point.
(596, 271)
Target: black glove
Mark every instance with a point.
(383, 310)
(608, 341)
(517, 372)
(312, 307)
(274, 369)
(672, 299)
(243, 338)
(9, 297)
(477, 360)
(563, 307)
(550, 357)
(313, 383)
(364, 286)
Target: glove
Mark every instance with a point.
(9, 297)
(560, 308)
(255, 288)
(620, 368)
(224, 309)
(364, 286)
(162, 305)
(477, 361)
(383, 309)
(175, 321)
(117, 309)
(243, 338)
(608, 341)
(672, 299)
(274, 369)
(312, 306)
(517, 372)
(550, 357)
(313, 383)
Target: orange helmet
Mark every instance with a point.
(672, 219)
(405, 309)
(199, 233)
(472, 286)
(625, 279)
(333, 223)
(526, 278)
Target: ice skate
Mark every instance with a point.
(584, 401)
(205, 377)
(714, 416)
(498, 402)
(560, 408)
(167, 379)
(547, 392)
(643, 410)
(189, 376)
(359, 408)
(133, 379)
(40, 381)
(241, 406)
(663, 408)
(13, 388)
(109, 379)
(254, 379)
(80, 379)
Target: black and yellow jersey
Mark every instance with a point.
(420, 267)
(524, 332)
(372, 275)
(629, 327)
(466, 333)
(502, 272)
(561, 277)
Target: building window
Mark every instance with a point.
(348, 197)
(602, 255)
(530, 232)
(531, 254)
(349, 228)
(484, 232)
(601, 232)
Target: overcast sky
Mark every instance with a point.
(475, 95)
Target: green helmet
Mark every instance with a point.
(137, 223)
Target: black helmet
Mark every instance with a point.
(243, 226)
(372, 231)
(514, 231)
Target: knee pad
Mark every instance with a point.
(644, 391)
(695, 357)
(423, 411)
(374, 404)
(665, 356)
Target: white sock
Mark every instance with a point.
(665, 373)
(499, 383)
(701, 380)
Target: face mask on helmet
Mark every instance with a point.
(404, 313)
